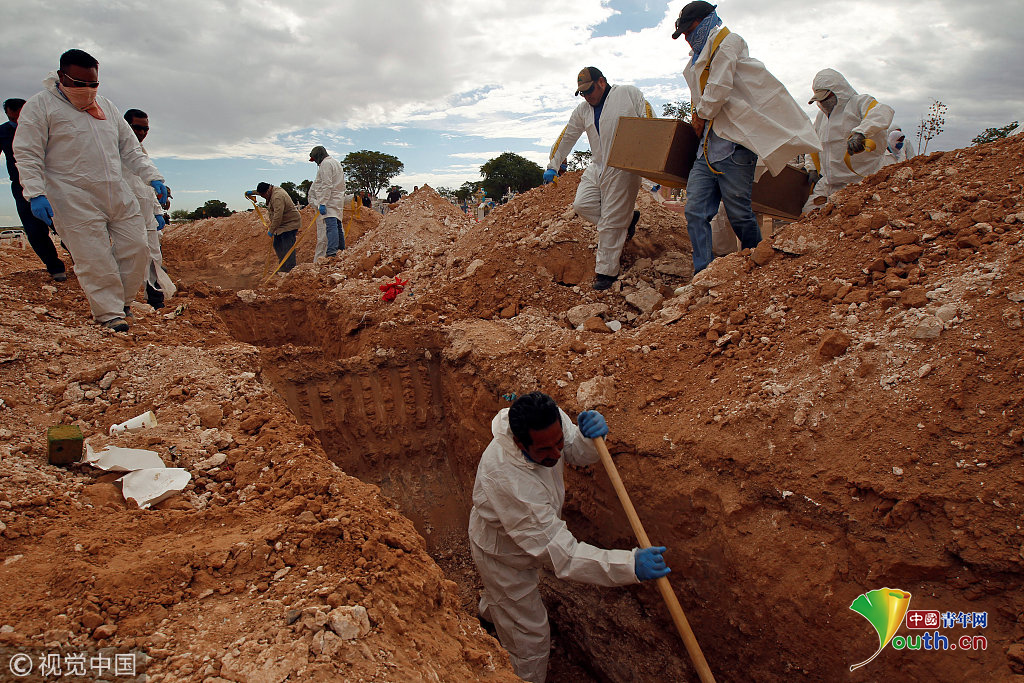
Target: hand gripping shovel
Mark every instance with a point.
(667, 594)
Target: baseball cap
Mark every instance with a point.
(694, 11)
(819, 95)
(586, 78)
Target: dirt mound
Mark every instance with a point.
(237, 252)
(836, 411)
(262, 567)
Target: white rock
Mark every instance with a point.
(472, 267)
(946, 312)
(930, 327)
(349, 621)
(614, 325)
(247, 296)
(578, 314)
(597, 391)
(645, 299)
(898, 471)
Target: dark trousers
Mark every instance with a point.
(38, 233)
(282, 245)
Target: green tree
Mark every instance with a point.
(677, 110)
(992, 134)
(213, 208)
(468, 189)
(580, 160)
(931, 125)
(304, 189)
(372, 171)
(180, 215)
(446, 192)
(293, 191)
(510, 170)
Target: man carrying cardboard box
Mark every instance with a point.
(740, 112)
(605, 196)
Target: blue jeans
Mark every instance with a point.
(705, 190)
(283, 243)
(335, 235)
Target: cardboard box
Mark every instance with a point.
(783, 195)
(663, 150)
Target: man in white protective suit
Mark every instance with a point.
(157, 282)
(515, 526)
(606, 196)
(741, 113)
(328, 189)
(853, 130)
(69, 148)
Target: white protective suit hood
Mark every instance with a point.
(853, 113)
(830, 79)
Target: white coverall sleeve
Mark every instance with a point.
(30, 142)
(720, 79)
(132, 155)
(567, 140)
(875, 121)
(537, 529)
(578, 449)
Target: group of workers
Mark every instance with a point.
(80, 167)
(746, 123)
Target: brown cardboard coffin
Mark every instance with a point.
(663, 150)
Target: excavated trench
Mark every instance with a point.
(414, 423)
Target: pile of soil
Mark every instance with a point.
(836, 411)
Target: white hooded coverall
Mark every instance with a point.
(515, 528)
(75, 160)
(853, 113)
(605, 196)
(149, 207)
(747, 105)
(321, 227)
(328, 188)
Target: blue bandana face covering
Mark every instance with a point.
(699, 36)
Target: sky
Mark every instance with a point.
(239, 91)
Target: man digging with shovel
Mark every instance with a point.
(515, 526)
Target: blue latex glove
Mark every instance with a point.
(323, 209)
(41, 209)
(592, 424)
(161, 190)
(650, 564)
(549, 175)
(270, 233)
(249, 193)
(159, 222)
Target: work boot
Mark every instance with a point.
(631, 230)
(117, 325)
(602, 281)
(128, 312)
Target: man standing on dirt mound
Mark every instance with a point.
(740, 112)
(70, 146)
(854, 134)
(152, 212)
(328, 190)
(515, 526)
(285, 222)
(606, 196)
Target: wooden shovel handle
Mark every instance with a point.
(667, 594)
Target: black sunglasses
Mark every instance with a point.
(75, 83)
(589, 90)
(144, 129)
